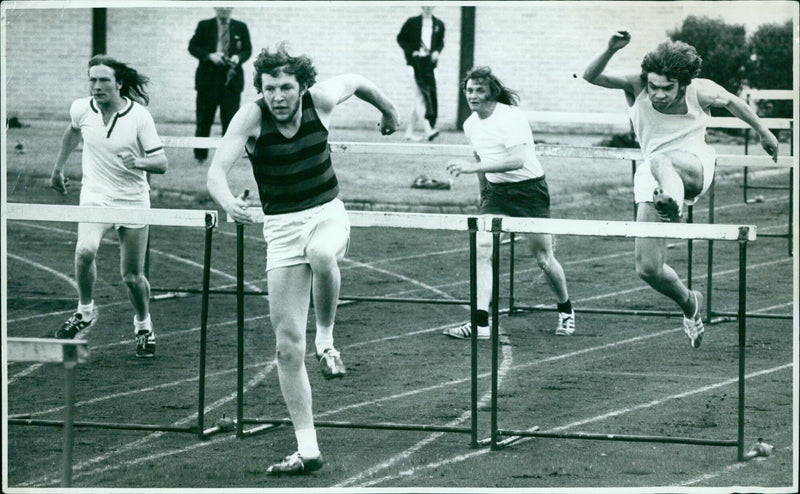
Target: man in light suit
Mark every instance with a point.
(222, 45)
(422, 40)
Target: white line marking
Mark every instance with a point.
(52, 271)
(505, 365)
(598, 418)
(365, 265)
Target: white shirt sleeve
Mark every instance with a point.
(148, 136)
(517, 129)
(76, 111)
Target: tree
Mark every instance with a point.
(770, 64)
(723, 48)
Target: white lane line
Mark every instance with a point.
(728, 469)
(57, 274)
(401, 275)
(459, 458)
(77, 473)
(34, 367)
(505, 365)
(118, 465)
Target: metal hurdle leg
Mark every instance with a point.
(201, 393)
(633, 174)
(790, 233)
(239, 330)
(742, 337)
(710, 262)
(472, 224)
(511, 255)
(689, 219)
(497, 226)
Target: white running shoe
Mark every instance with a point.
(566, 324)
(693, 326)
(465, 331)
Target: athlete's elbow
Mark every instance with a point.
(162, 166)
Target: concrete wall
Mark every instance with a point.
(535, 47)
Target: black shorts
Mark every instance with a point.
(525, 199)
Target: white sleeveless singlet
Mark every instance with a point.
(659, 132)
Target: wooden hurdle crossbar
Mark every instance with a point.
(633, 155)
(741, 234)
(154, 217)
(752, 96)
(68, 353)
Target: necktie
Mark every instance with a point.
(225, 37)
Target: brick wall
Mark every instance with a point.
(534, 47)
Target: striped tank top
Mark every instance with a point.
(293, 173)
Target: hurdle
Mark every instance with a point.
(741, 234)
(631, 155)
(751, 96)
(68, 353)
(441, 222)
(156, 217)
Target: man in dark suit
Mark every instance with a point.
(222, 45)
(422, 40)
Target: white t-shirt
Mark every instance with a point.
(131, 129)
(492, 137)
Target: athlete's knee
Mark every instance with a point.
(289, 349)
(322, 256)
(133, 278)
(648, 269)
(544, 259)
(85, 254)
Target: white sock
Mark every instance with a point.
(307, 443)
(324, 338)
(86, 310)
(145, 325)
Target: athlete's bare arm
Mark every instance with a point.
(711, 94)
(596, 73)
(336, 90)
(245, 124)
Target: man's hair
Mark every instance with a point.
(133, 82)
(497, 91)
(273, 64)
(673, 60)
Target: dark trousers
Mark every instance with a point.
(426, 82)
(208, 99)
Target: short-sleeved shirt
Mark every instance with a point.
(131, 129)
(492, 137)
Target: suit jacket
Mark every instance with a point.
(409, 36)
(204, 42)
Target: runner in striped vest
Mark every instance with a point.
(285, 135)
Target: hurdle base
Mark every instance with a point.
(361, 425)
(104, 425)
(618, 437)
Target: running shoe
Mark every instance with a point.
(330, 363)
(295, 464)
(566, 323)
(693, 326)
(75, 324)
(465, 331)
(668, 210)
(145, 344)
